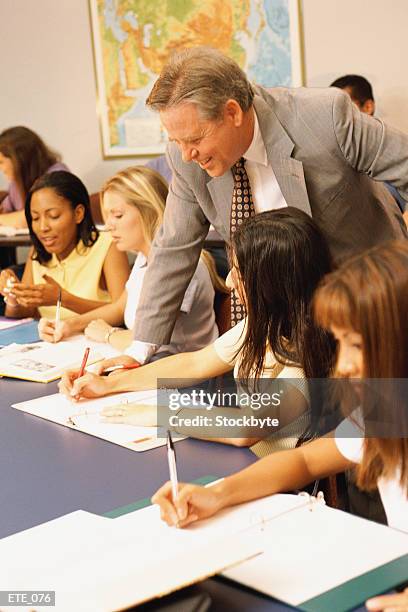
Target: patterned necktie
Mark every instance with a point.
(242, 208)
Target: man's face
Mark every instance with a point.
(215, 145)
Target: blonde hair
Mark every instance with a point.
(146, 190)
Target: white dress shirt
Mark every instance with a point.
(266, 193)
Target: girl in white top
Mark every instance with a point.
(133, 202)
(278, 259)
(364, 304)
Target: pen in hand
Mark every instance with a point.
(57, 313)
(80, 373)
(58, 310)
(83, 364)
(171, 456)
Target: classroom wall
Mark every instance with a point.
(362, 37)
(48, 82)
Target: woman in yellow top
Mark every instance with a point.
(69, 256)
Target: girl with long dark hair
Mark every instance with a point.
(364, 304)
(24, 157)
(277, 259)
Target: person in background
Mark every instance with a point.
(69, 257)
(361, 92)
(278, 258)
(134, 201)
(160, 165)
(364, 304)
(24, 157)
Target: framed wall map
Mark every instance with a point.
(132, 39)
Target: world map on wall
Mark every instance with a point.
(134, 38)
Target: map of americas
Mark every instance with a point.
(136, 38)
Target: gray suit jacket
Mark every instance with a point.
(324, 153)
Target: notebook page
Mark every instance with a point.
(104, 564)
(310, 552)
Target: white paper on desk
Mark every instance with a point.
(310, 552)
(100, 564)
(7, 323)
(85, 416)
(8, 230)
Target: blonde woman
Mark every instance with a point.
(133, 202)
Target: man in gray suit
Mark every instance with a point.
(309, 148)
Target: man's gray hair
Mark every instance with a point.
(202, 76)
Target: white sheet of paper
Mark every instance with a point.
(315, 551)
(9, 230)
(85, 416)
(13, 323)
(95, 563)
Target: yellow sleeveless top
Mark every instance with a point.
(79, 273)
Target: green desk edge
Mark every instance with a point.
(143, 503)
(340, 599)
(354, 592)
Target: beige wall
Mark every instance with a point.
(47, 75)
(367, 37)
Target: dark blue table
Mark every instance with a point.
(47, 470)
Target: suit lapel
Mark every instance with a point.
(288, 171)
(279, 147)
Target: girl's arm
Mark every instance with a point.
(111, 313)
(115, 274)
(292, 404)
(120, 339)
(195, 367)
(283, 471)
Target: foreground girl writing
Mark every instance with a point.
(364, 304)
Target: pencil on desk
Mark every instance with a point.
(58, 310)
